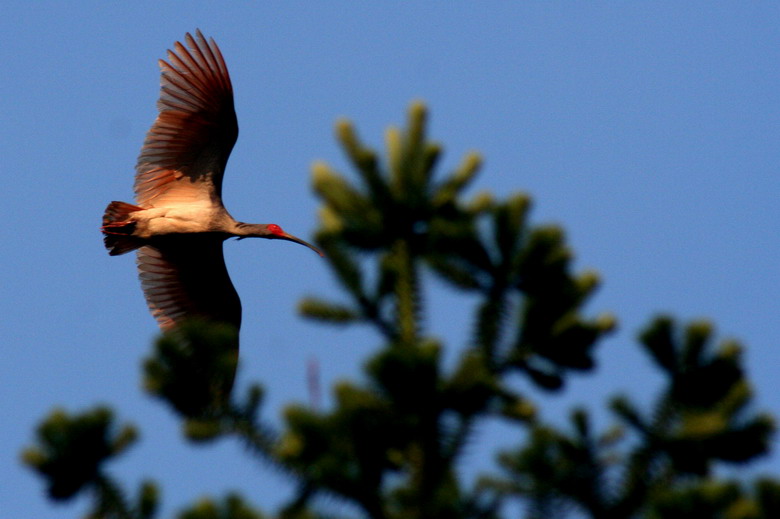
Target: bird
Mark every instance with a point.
(178, 223)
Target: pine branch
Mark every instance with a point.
(111, 502)
(406, 293)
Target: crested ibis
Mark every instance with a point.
(178, 223)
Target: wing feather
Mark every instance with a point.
(185, 277)
(184, 154)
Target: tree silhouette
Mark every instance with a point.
(392, 445)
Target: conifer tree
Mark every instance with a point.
(392, 444)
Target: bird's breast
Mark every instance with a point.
(160, 221)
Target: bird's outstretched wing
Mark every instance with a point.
(184, 277)
(184, 155)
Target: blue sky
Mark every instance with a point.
(650, 131)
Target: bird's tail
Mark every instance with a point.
(118, 229)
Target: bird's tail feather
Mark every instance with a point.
(118, 229)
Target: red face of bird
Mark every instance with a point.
(274, 232)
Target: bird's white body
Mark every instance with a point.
(190, 218)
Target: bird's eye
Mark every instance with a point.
(275, 229)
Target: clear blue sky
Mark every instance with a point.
(649, 131)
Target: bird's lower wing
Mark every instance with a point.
(185, 277)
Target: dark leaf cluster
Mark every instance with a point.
(70, 455)
(700, 418)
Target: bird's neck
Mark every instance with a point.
(251, 230)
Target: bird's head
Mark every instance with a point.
(272, 231)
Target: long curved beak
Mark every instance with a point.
(290, 237)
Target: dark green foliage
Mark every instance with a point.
(714, 499)
(402, 221)
(231, 507)
(699, 419)
(193, 367)
(521, 273)
(392, 445)
(704, 414)
(70, 455)
(72, 448)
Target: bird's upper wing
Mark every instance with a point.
(184, 155)
(185, 277)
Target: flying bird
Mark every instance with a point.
(178, 223)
